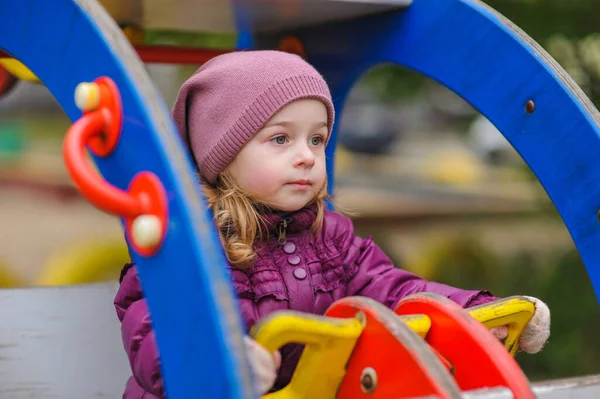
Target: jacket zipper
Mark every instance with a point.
(282, 232)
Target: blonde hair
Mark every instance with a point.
(237, 216)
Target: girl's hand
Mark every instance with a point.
(537, 331)
(264, 365)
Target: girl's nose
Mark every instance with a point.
(304, 157)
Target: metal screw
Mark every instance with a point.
(368, 380)
(530, 107)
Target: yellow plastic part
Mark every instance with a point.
(329, 343)
(514, 312)
(418, 323)
(85, 262)
(9, 277)
(18, 69)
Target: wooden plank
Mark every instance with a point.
(587, 387)
(190, 15)
(61, 342)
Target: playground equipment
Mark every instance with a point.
(84, 262)
(76, 47)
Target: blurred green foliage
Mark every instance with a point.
(191, 39)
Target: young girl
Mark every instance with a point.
(257, 123)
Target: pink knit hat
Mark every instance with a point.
(231, 97)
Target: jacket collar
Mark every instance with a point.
(294, 221)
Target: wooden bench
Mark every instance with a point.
(61, 342)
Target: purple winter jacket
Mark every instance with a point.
(307, 273)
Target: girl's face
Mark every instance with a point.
(284, 164)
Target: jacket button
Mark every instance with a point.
(289, 247)
(293, 259)
(300, 273)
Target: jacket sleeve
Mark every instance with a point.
(371, 273)
(137, 333)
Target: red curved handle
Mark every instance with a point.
(100, 130)
(95, 189)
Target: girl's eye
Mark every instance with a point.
(279, 139)
(316, 140)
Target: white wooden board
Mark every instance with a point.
(61, 342)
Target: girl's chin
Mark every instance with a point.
(291, 206)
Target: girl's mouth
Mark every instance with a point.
(302, 184)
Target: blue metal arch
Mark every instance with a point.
(194, 313)
(497, 68)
